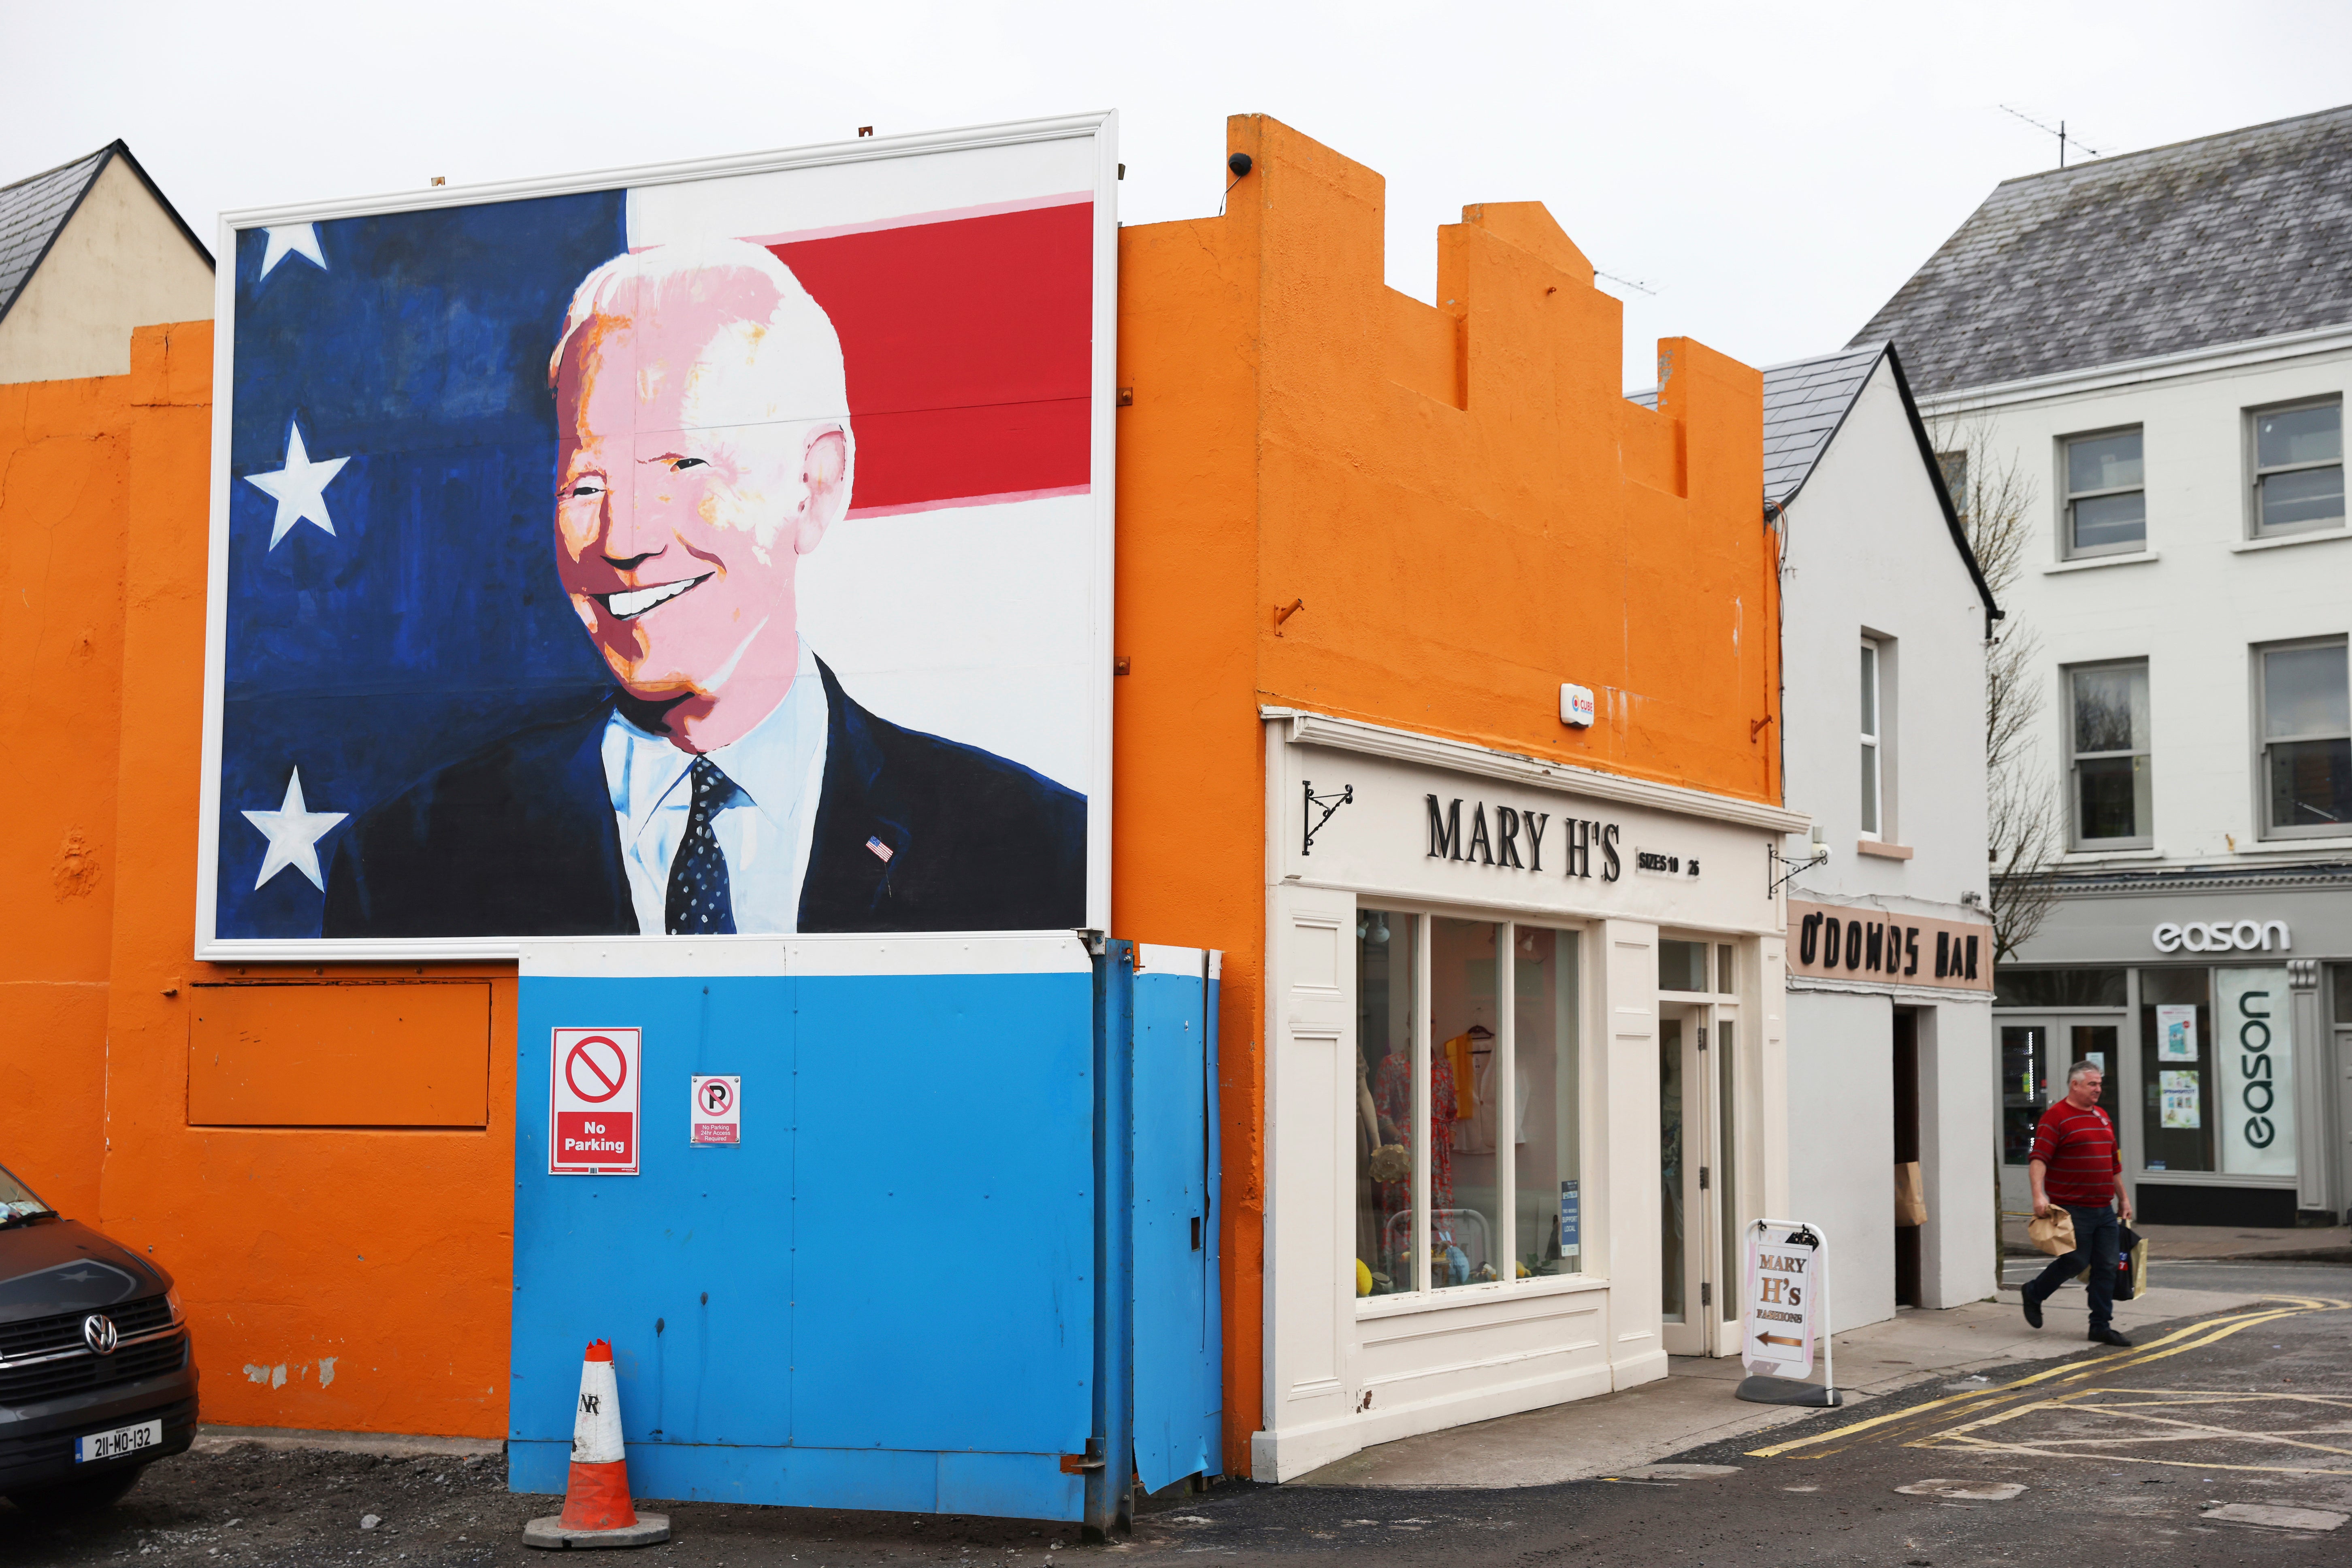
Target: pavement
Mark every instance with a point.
(1695, 1404)
(2184, 1243)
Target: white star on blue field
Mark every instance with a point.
(299, 487)
(388, 601)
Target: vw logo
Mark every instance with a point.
(98, 1332)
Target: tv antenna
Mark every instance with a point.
(2060, 132)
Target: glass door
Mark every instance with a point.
(2024, 1095)
(1690, 1233)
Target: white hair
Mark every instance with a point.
(789, 365)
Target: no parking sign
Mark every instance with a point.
(715, 1109)
(592, 1103)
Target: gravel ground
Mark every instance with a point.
(252, 1504)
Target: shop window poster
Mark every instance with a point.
(2176, 1033)
(2177, 1096)
(704, 550)
(2253, 1089)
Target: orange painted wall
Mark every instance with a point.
(1472, 514)
(337, 1277)
(64, 467)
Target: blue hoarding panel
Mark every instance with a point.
(1177, 1348)
(892, 1269)
(1025, 1485)
(945, 1212)
(1018, 1486)
(686, 1268)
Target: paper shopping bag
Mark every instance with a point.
(2052, 1233)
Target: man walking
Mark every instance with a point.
(2074, 1166)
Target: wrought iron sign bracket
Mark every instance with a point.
(1327, 804)
(1774, 860)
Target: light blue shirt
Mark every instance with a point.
(765, 828)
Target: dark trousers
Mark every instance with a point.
(2097, 1234)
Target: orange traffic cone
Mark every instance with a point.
(596, 1507)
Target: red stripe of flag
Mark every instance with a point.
(969, 345)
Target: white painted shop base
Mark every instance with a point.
(1343, 1373)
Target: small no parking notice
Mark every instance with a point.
(592, 1103)
(715, 1107)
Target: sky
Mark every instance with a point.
(1760, 177)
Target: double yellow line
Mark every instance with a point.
(2195, 1336)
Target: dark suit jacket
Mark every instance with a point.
(519, 840)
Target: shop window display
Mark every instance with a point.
(1467, 1246)
(2176, 1069)
(1388, 1133)
(1503, 1134)
(1547, 1236)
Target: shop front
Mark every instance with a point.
(1891, 1031)
(1524, 1083)
(2221, 1011)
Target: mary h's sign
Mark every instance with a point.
(1830, 942)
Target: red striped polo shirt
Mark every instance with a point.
(2079, 1149)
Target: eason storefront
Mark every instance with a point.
(2222, 1010)
(1526, 1081)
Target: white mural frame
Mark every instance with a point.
(1101, 129)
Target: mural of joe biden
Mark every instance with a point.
(728, 782)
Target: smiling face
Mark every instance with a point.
(687, 493)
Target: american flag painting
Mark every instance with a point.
(715, 552)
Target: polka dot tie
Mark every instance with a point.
(700, 903)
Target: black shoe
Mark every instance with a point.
(2032, 1312)
(2103, 1335)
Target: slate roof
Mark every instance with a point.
(1805, 401)
(2223, 240)
(34, 211)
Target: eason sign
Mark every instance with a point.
(2221, 936)
(592, 1102)
(2254, 1062)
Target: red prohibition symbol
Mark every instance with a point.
(714, 1097)
(610, 1082)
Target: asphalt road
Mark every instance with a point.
(2169, 1454)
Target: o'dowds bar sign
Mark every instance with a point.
(1831, 943)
